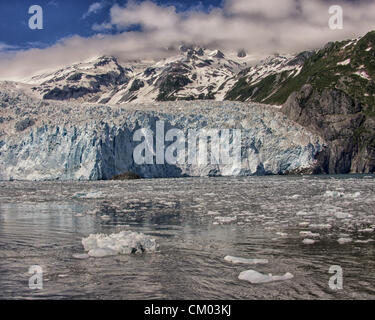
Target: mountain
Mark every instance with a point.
(260, 82)
(330, 92)
(194, 73)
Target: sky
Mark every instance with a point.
(75, 30)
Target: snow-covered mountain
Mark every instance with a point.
(194, 73)
(330, 92)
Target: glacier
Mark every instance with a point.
(73, 141)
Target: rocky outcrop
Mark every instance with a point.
(341, 121)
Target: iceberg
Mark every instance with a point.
(125, 242)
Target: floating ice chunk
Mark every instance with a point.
(308, 241)
(212, 213)
(309, 234)
(364, 241)
(367, 230)
(334, 194)
(105, 218)
(237, 260)
(125, 242)
(81, 256)
(88, 195)
(342, 215)
(282, 234)
(226, 219)
(255, 277)
(355, 195)
(78, 215)
(101, 252)
(302, 213)
(320, 226)
(344, 240)
(304, 224)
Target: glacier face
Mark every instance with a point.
(90, 142)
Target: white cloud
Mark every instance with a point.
(102, 27)
(6, 47)
(257, 26)
(146, 14)
(94, 8)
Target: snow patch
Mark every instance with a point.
(344, 63)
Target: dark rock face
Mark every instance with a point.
(241, 54)
(219, 55)
(340, 120)
(136, 85)
(301, 58)
(67, 93)
(24, 124)
(126, 176)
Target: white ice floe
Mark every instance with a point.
(308, 241)
(237, 260)
(302, 213)
(342, 215)
(309, 234)
(304, 224)
(255, 277)
(367, 230)
(364, 241)
(321, 226)
(102, 252)
(212, 213)
(344, 240)
(226, 219)
(88, 195)
(81, 256)
(334, 194)
(125, 242)
(338, 194)
(105, 218)
(282, 234)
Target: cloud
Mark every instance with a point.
(53, 3)
(147, 14)
(102, 27)
(94, 8)
(259, 27)
(4, 47)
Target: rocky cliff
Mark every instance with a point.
(342, 122)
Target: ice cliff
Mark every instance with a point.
(50, 140)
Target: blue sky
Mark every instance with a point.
(64, 18)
